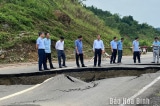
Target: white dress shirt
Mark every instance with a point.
(59, 45)
(98, 44)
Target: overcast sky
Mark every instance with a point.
(144, 11)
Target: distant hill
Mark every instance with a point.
(158, 29)
(127, 26)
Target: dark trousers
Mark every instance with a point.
(62, 55)
(48, 57)
(120, 53)
(98, 52)
(81, 59)
(42, 59)
(113, 57)
(136, 54)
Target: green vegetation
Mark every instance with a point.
(21, 20)
(127, 26)
(158, 29)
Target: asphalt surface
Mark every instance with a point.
(127, 61)
(61, 91)
(11, 89)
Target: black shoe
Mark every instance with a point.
(60, 67)
(152, 62)
(41, 70)
(84, 66)
(64, 66)
(46, 69)
(99, 66)
(53, 68)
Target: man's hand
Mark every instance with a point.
(103, 51)
(77, 52)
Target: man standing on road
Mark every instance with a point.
(120, 50)
(41, 51)
(136, 50)
(60, 52)
(79, 51)
(47, 42)
(98, 49)
(156, 45)
(113, 44)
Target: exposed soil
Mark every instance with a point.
(87, 76)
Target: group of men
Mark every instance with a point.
(98, 48)
(43, 46)
(116, 46)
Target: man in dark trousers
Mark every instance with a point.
(136, 50)
(98, 49)
(60, 52)
(41, 51)
(79, 51)
(47, 42)
(120, 50)
(113, 44)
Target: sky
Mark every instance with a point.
(144, 11)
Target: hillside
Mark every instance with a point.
(21, 20)
(158, 29)
(127, 26)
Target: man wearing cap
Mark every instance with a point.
(60, 52)
(79, 51)
(47, 43)
(41, 51)
(156, 45)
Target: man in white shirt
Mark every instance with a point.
(60, 52)
(98, 49)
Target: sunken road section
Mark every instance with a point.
(85, 74)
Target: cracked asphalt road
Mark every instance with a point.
(60, 91)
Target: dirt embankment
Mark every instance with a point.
(19, 53)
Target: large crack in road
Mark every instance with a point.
(86, 75)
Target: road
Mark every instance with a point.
(60, 91)
(33, 67)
